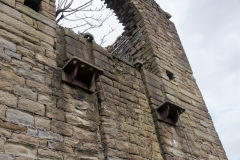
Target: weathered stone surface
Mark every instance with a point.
(3, 110)
(12, 77)
(31, 106)
(9, 2)
(60, 147)
(46, 153)
(42, 123)
(61, 128)
(25, 92)
(43, 118)
(38, 86)
(47, 100)
(6, 156)
(8, 45)
(12, 126)
(20, 149)
(8, 99)
(55, 114)
(19, 117)
(84, 135)
(77, 121)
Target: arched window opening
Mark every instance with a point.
(89, 16)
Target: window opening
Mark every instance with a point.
(170, 75)
(34, 4)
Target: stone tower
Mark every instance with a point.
(64, 97)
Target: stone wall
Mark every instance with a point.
(41, 117)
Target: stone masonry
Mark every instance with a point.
(42, 117)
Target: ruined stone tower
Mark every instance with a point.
(64, 97)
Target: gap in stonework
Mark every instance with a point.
(105, 26)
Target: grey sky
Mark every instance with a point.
(210, 33)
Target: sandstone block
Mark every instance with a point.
(2, 141)
(31, 106)
(25, 139)
(84, 135)
(49, 101)
(4, 156)
(5, 132)
(5, 85)
(8, 99)
(50, 135)
(60, 147)
(61, 128)
(46, 153)
(55, 114)
(37, 76)
(77, 121)
(8, 45)
(9, 2)
(19, 117)
(38, 86)
(47, 61)
(3, 110)
(20, 149)
(12, 126)
(42, 123)
(25, 92)
(11, 77)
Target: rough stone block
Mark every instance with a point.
(4, 156)
(31, 106)
(3, 110)
(38, 86)
(20, 149)
(2, 141)
(49, 101)
(19, 117)
(25, 92)
(25, 139)
(50, 136)
(8, 99)
(55, 114)
(13, 127)
(84, 135)
(8, 45)
(9, 2)
(11, 77)
(46, 153)
(61, 128)
(77, 121)
(47, 61)
(60, 147)
(42, 123)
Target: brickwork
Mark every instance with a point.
(41, 117)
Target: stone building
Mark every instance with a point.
(64, 97)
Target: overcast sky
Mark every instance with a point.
(210, 33)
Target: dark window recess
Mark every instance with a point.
(34, 4)
(170, 75)
(169, 113)
(80, 73)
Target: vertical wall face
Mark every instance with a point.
(155, 41)
(41, 117)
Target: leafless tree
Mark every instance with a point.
(85, 15)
